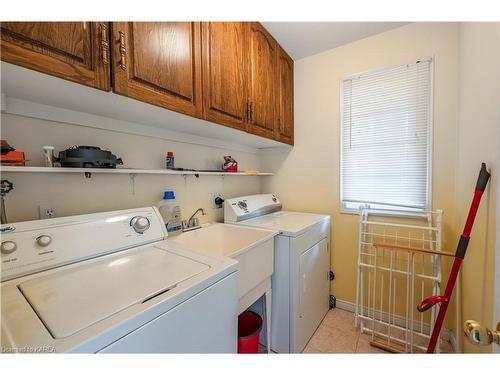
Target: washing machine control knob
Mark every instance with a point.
(8, 247)
(43, 240)
(140, 224)
(242, 205)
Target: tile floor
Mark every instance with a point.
(337, 334)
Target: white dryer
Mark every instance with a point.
(301, 278)
(108, 282)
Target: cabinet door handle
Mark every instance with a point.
(251, 111)
(248, 111)
(104, 44)
(123, 51)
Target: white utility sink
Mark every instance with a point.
(253, 248)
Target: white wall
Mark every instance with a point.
(479, 126)
(72, 194)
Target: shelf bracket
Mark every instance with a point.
(132, 183)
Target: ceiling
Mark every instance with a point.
(302, 39)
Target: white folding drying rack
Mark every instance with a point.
(399, 264)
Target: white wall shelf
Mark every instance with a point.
(130, 171)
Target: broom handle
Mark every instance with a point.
(482, 181)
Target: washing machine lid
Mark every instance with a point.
(75, 298)
(288, 223)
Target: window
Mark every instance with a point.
(386, 138)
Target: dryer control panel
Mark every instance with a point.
(33, 246)
(244, 208)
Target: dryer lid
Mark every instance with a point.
(70, 300)
(288, 223)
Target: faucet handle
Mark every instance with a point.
(194, 222)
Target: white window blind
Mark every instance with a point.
(386, 138)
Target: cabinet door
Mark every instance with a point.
(159, 63)
(224, 85)
(284, 129)
(261, 73)
(76, 51)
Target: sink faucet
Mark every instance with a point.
(193, 221)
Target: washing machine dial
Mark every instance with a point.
(43, 240)
(242, 205)
(140, 224)
(8, 247)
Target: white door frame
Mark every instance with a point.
(496, 271)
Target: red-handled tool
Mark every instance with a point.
(427, 303)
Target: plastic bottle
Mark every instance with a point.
(170, 211)
(48, 152)
(170, 160)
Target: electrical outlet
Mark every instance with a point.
(46, 211)
(214, 196)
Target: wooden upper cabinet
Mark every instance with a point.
(230, 73)
(284, 130)
(76, 51)
(261, 82)
(159, 63)
(224, 85)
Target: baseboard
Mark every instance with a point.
(453, 341)
(347, 306)
(446, 334)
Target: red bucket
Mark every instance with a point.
(249, 326)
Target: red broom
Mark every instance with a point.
(427, 303)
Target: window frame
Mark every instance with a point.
(398, 211)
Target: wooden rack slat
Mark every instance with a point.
(409, 248)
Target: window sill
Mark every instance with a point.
(389, 213)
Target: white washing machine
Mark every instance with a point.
(106, 282)
(301, 278)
